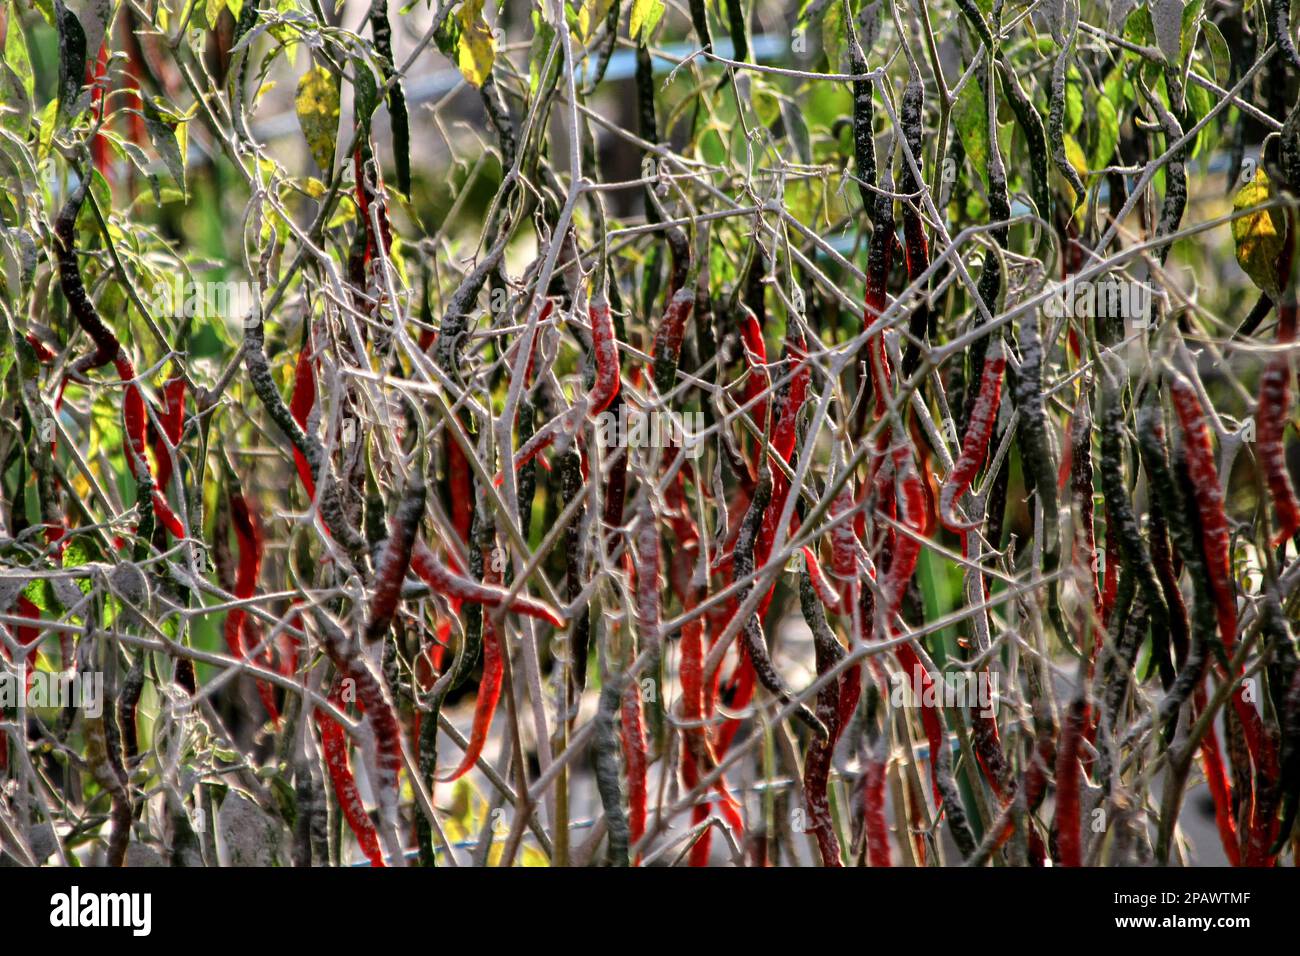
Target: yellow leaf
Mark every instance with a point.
(645, 17)
(1259, 236)
(1074, 153)
(591, 15)
(477, 44)
(318, 113)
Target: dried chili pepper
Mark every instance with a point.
(979, 430)
(301, 403)
(172, 421)
(394, 562)
(334, 747)
(1274, 402)
(1280, 21)
(1208, 497)
(1068, 773)
(632, 729)
(384, 763)
(607, 783)
(604, 347)
(489, 688)
(445, 581)
(916, 250)
(248, 532)
(107, 349)
(752, 630)
(1056, 119)
(1031, 126)
(667, 345)
(864, 141)
(1133, 552)
(817, 765)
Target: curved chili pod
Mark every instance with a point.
(817, 765)
(445, 581)
(334, 747)
(666, 349)
(974, 448)
(752, 630)
(394, 562)
(489, 693)
(1068, 776)
(1274, 404)
(240, 630)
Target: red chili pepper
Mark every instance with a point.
(1068, 774)
(783, 440)
(825, 593)
(648, 578)
(443, 580)
(489, 688)
(634, 757)
(335, 749)
(897, 578)
(666, 347)
(1274, 402)
(1215, 543)
(979, 431)
(1209, 503)
(172, 419)
(95, 77)
(44, 355)
(908, 550)
(878, 851)
(1216, 780)
(302, 402)
(604, 347)
(28, 636)
(240, 631)
(394, 562)
(134, 424)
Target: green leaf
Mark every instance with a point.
(1219, 54)
(17, 82)
(646, 15)
(40, 593)
(1105, 133)
(971, 117)
(317, 104)
(1191, 22)
(1199, 102)
(1259, 236)
(163, 133)
(365, 91)
(81, 550)
(834, 36)
(543, 33)
(1138, 28)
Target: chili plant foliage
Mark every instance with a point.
(609, 432)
